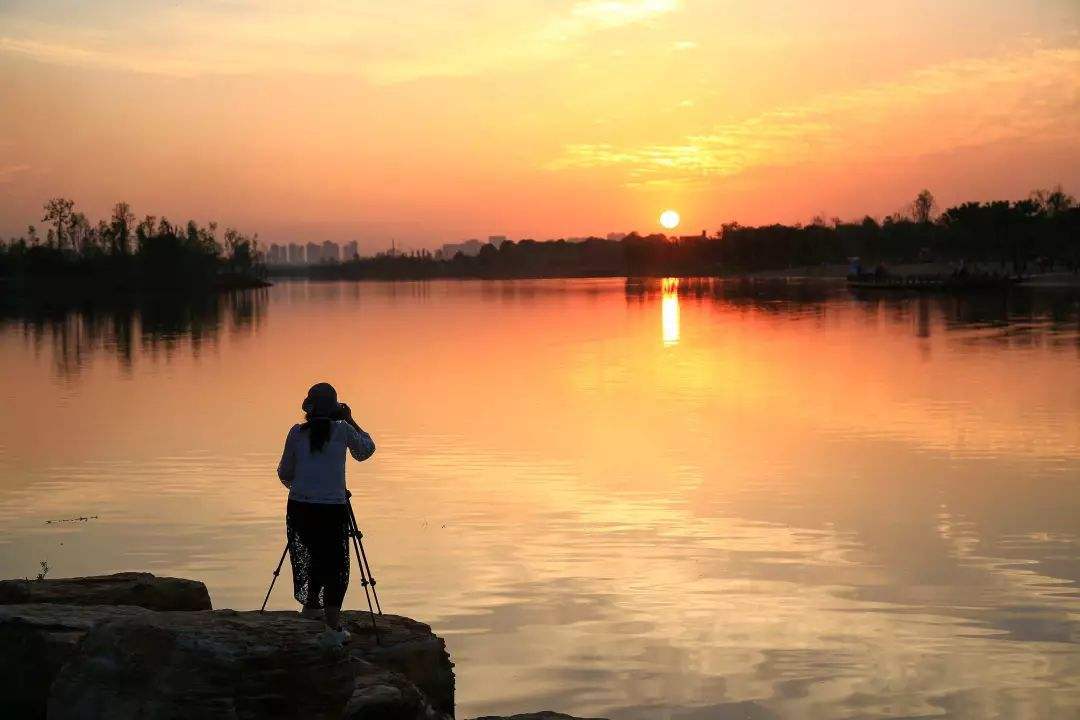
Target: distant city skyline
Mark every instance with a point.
(314, 253)
(309, 253)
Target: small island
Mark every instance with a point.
(121, 255)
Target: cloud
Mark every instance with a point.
(964, 103)
(592, 16)
(71, 55)
(8, 173)
(553, 38)
(382, 43)
(612, 13)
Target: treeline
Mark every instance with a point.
(1038, 233)
(1041, 232)
(123, 252)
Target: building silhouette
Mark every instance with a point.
(469, 248)
(310, 254)
(276, 255)
(331, 252)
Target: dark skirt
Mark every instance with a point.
(319, 552)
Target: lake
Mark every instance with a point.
(677, 499)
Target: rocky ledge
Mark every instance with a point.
(63, 657)
(133, 645)
(130, 588)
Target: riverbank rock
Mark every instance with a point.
(129, 588)
(409, 648)
(204, 665)
(387, 695)
(135, 645)
(35, 642)
(69, 661)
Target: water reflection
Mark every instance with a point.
(669, 311)
(150, 326)
(813, 504)
(72, 334)
(1021, 316)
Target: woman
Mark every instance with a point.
(317, 520)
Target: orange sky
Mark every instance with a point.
(428, 121)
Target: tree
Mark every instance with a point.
(146, 230)
(58, 211)
(120, 226)
(1053, 202)
(81, 234)
(922, 209)
(241, 250)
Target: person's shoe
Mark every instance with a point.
(311, 613)
(334, 638)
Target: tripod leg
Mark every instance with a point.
(365, 568)
(354, 533)
(371, 575)
(277, 572)
(362, 556)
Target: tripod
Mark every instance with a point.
(367, 577)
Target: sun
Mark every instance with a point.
(669, 219)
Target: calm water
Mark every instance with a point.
(704, 501)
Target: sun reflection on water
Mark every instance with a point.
(669, 311)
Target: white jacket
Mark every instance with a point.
(319, 477)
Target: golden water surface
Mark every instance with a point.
(673, 499)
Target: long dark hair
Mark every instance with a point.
(318, 430)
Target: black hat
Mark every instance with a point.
(321, 401)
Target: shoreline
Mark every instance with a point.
(59, 291)
(80, 289)
(828, 273)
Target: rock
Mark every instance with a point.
(542, 715)
(387, 695)
(129, 588)
(35, 641)
(220, 664)
(86, 662)
(119, 662)
(409, 648)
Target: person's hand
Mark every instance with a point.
(346, 412)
